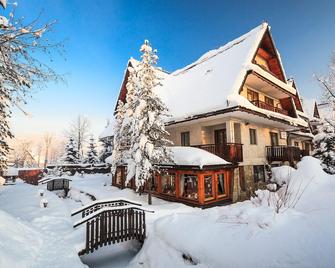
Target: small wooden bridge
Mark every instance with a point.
(111, 221)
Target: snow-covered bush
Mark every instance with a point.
(324, 146)
(292, 185)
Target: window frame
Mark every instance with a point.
(251, 130)
(183, 138)
(259, 168)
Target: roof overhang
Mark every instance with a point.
(241, 113)
(257, 81)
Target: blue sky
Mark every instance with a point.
(102, 35)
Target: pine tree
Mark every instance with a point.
(92, 155)
(324, 147)
(71, 152)
(148, 142)
(118, 139)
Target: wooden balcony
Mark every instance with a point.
(269, 107)
(231, 152)
(283, 153)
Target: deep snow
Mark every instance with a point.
(246, 234)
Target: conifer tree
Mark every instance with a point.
(92, 155)
(324, 146)
(148, 142)
(71, 152)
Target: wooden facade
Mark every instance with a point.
(211, 185)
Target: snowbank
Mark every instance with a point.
(251, 234)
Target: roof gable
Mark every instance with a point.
(268, 57)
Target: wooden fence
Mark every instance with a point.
(112, 224)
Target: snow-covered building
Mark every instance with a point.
(236, 103)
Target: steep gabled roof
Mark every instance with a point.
(213, 82)
(204, 85)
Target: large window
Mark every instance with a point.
(189, 186)
(253, 136)
(221, 185)
(259, 174)
(208, 181)
(169, 184)
(185, 138)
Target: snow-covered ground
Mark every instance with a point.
(247, 234)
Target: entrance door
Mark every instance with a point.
(220, 140)
(220, 136)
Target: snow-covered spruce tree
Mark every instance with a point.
(92, 154)
(148, 142)
(20, 69)
(122, 128)
(324, 146)
(71, 152)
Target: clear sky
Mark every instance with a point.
(103, 34)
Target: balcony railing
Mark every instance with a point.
(231, 152)
(269, 107)
(283, 153)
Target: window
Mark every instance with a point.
(269, 101)
(252, 134)
(208, 181)
(252, 95)
(274, 139)
(169, 184)
(259, 174)
(221, 186)
(237, 133)
(185, 138)
(296, 144)
(189, 186)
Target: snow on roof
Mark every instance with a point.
(45, 180)
(204, 85)
(213, 81)
(11, 171)
(190, 156)
(109, 130)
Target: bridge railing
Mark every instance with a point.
(113, 225)
(99, 204)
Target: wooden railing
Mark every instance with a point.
(283, 153)
(231, 152)
(99, 204)
(113, 225)
(269, 107)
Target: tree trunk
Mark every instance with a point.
(149, 192)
